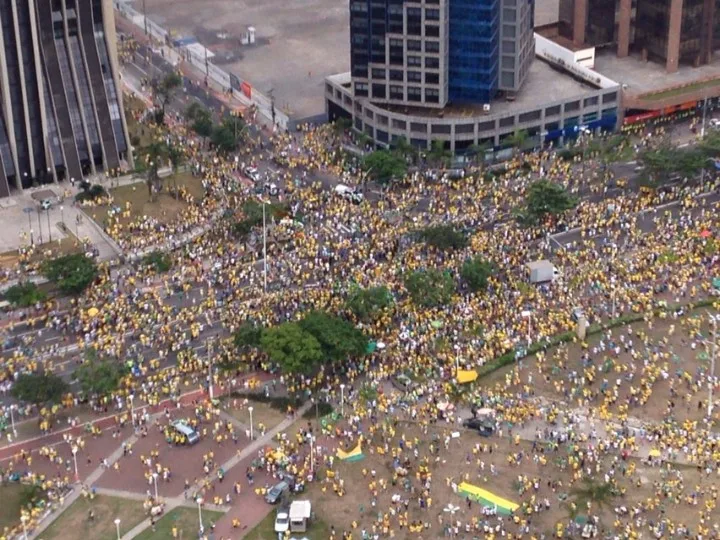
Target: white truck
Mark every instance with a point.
(542, 271)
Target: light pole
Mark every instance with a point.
(210, 373)
(199, 502)
(155, 477)
(29, 210)
(12, 420)
(342, 399)
(39, 224)
(132, 409)
(47, 211)
(312, 454)
(23, 520)
(251, 423)
(711, 378)
(702, 128)
(264, 250)
(62, 216)
(74, 453)
(117, 527)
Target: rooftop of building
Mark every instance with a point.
(642, 77)
(545, 84)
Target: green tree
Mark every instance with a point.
(544, 198)
(99, 376)
(337, 337)
(659, 162)
(476, 272)
(367, 303)
(402, 147)
(384, 166)
(224, 139)
(518, 139)
(292, 348)
(155, 154)
(71, 273)
(25, 294)
(247, 335)
(164, 91)
(444, 237)
(39, 388)
(599, 494)
(429, 287)
(341, 125)
(160, 261)
(439, 155)
(235, 125)
(202, 124)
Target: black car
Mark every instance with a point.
(483, 428)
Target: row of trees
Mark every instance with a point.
(225, 136)
(663, 161)
(318, 339)
(429, 287)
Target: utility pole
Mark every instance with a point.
(711, 377)
(264, 250)
(210, 373)
(145, 18)
(702, 128)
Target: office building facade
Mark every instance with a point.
(665, 31)
(428, 53)
(61, 114)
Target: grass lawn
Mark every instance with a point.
(165, 207)
(186, 521)
(73, 523)
(263, 413)
(141, 134)
(10, 494)
(265, 530)
(672, 92)
(47, 250)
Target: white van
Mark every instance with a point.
(348, 193)
(190, 434)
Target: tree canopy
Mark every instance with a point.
(71, 273)
(444, 237)
(292, 348)
(476, 272)
(384, 166)
(247, 335)
(100, 376)
(544, 198)
(39, 388)
(367, 303)
(337, 337)
(25, 294)
(429, 287)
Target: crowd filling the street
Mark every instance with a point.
(416, 377)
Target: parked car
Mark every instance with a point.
(46, 204)
(480, 425)
(282, 521)
(275, 494)
(348, 193)
(402, 382)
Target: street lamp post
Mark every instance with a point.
(39, 225)
(342, 399)
(132, 409)
(312, 454)
(12, 420)
(47, 211)
(155, 477)
(251, 424)
(199, 503)
(711, 378)
(117, 527)
(264, 250)
(74, 454)
(62, 216)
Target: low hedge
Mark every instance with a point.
(566, 337)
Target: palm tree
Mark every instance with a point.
(475, 151)
(402, 147)
(517, 139)
(591, 492)
(439, 154)
(177, 157)
(155, 152)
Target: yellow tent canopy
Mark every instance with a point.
(466, 376)
(93, 311)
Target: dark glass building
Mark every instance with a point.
(430, 52)
(61, 113)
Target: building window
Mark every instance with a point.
(378, 74)
(432, 30)
(508, 62)
(529, 116)
(507, 79)
(396, 92)
(507, 121)
(610, 98)
(369, 114)
(396, 75)
(508, 30)
(552, 111)
(432, 78)
(358, 107)
(486, 126)
(381, 136)
(465, 128)
(361, 89)
(432, 95)
(414, 45)
(328, 89)
(432, 63)
(432, 14)
(378, 91)
(382, 119)
(509, 15)
(418, 128)
(414, 76)
(396, 42)
(508, 47)
(432, 46)
(414, 61)
(414, 93)
(399, 124)
(572, 106)
(589, 102)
